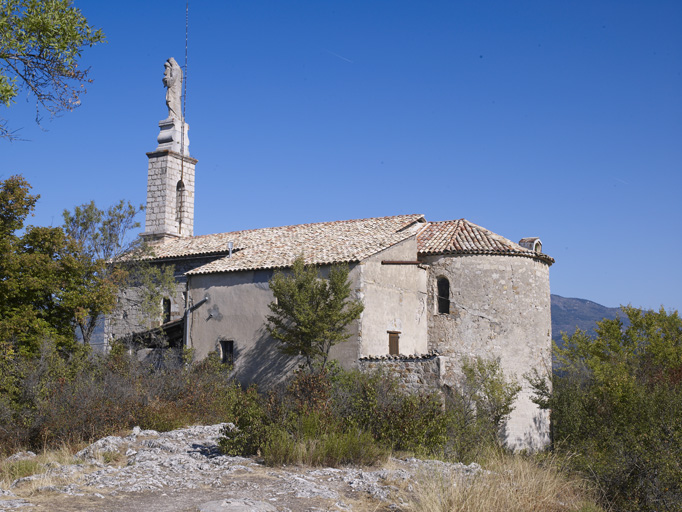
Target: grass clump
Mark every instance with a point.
(12, 469)
(513, 483)
(329, 449)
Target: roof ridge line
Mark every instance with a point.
(419, 215)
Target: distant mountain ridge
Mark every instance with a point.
(570, 313)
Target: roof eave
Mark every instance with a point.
(536, 256)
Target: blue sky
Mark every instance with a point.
(531, 118)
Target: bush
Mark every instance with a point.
(60, 398)
(249, 433)
(325, 417)
(478, 409)
(616, 403)
(397, 419)
(301, 420)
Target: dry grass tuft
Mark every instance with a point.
(39, 466)
(513, 483)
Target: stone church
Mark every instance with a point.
(434, 292)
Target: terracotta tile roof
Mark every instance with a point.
(464, 237)
(321, 243)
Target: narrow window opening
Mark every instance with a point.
(227, 351)
(443, 296)
(166, 311)
(393, 343)
(179, 203)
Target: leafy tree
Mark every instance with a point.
(616, 403)
(41, 42)
(37, 270)
(113, 260)
(55, 279)
(310, 314)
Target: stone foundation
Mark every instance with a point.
(414, 373)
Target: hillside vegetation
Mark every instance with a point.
(616, 403)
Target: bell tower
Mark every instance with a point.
(170, 178)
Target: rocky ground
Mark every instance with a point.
(183, 470)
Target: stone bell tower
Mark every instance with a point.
(170, 181)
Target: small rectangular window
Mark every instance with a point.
(227, 351)
(393, 343)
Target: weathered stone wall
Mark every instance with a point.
(163, 215)
(128, 319)
(499, 308)
(414, 373)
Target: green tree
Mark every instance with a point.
(54, 279)
(41, 42)
(311, 314)
(38, 267)
(113, 260)
(616, 403)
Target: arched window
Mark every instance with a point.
(443, 296)
(179, 203)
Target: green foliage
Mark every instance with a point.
(40, 46)
(310, 314)
(249, 434)
(53, 280)
(399, 420)
(39, 270)
(616, 401)
(61, 397)
(111, 260)
(324, 417)
(478, 409)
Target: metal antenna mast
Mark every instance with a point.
(184, 94)
(184, 112)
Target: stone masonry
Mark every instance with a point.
(170, 195)
(499, 309)
(414, 373)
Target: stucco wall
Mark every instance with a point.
(499, 307)
(395, 300)
(236, 310)
(127, 318)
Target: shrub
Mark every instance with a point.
(57, 397)
(616, 402)
(478, 409)
(248, 415)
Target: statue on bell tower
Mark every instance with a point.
(170, 176)
(172, 79)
